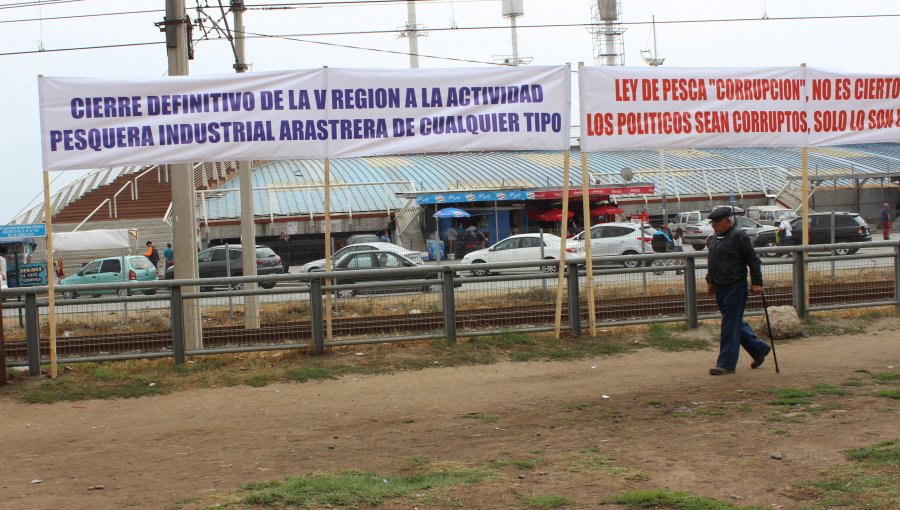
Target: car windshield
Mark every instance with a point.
(780, 215)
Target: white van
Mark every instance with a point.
(769, 214)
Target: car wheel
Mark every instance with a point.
(479, 272)
(630, 264)
(658, 266)
(769, 244)
(236, 286)
(550, 269)
(346, 293)
(698, 247)
(845, 251)
(123, 292)
(149, 292)
(434, 287)
(267, 285)
(70, 295)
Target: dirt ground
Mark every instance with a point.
(587, 430)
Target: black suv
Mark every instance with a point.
(849, 228)
(211, 262)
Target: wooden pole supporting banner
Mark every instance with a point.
(51, 277)
(804, 190)
(328, 247)
(588, 263)
(564, 221)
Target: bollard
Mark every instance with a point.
(176, 307)
(449, 304)
(690, 292)
(33, 334)
(316, 314)
(574, 296)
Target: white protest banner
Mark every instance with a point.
(847, 108)
(312, 114)
(655, 108)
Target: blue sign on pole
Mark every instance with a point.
(24, 230)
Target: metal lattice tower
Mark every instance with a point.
(607, 29)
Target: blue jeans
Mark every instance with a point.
(736, 333)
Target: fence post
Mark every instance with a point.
(897, 278)
(448, 298)
(690, 292)
(316, 314)
(574, 296)
(176, 307)
(32, 334)
(799, 283)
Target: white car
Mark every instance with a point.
(319, 265)
(519, 248)
(618, 238)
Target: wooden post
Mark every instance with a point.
(562, 245)
(328, 267)
(588, 263)
(51, 277)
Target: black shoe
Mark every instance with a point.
(759, 360)
(720, 371)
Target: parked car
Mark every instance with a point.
(137, 268)
(211, 263)
(319, 265)
(849, 228)
(696, 224)
(517, 248)
(769, 214)
(363, 238)
(697, 235)
(374, 262)
(618, 238)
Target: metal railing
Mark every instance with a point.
(431, 302)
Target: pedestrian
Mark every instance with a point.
(153, 255)
(678, 247)
(886, 221)
(661, 242)
(283, 245)
(385, 237)
(784, 233)
(730, 254)
(169, 255)
(450, 236)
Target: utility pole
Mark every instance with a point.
(248, 228)
(411, 30)
(176, 26)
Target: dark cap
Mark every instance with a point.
(720, 212)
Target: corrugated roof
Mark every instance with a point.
(389, 175)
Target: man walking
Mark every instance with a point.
(886, 221)
(153, 255)
(169, 255)
(730, 254)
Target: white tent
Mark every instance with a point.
(94, 240)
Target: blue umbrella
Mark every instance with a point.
(451, 212)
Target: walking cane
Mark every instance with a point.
(769, 324)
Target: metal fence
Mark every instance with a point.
(315, 311)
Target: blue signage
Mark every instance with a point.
(474, 196)
(24, 230)
(32, 275)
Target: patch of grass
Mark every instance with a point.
(829, 389)
(792, 397)
(485, 417)
(350, 488)
(744, 408)
(517, 463)
(674, 500)
(782, 432)
(886, 453)
(894, 394)
(660, 337)
(523, 356)
(591, 462)
(712, 411)
(577, 406)
(886, 376)
(627, 473)
(870, 482)
(260, 380)
(305, 373)
(68, 389)
(547, 501)
(822, 327)
(654, 402)
(853, 382)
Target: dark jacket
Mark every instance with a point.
(729, 257)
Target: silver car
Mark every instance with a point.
(319, 265)
(696, 235)
(618, 238)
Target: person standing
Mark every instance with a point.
(730, 254)
(886, 221)
(153, 255)
(678, 247)
(784, 233)
(169, 255)
(450, 236)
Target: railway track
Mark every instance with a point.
(608, 309)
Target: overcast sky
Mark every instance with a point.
(689, 33)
